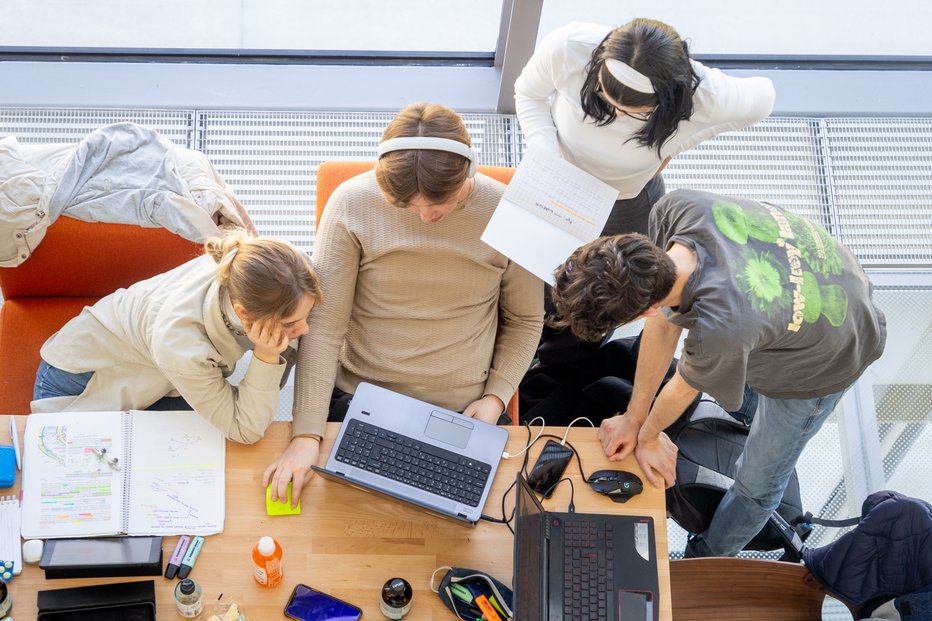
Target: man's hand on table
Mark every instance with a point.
(619, 436)
(657, 458)
(294, 464)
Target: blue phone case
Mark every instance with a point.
(7, 466)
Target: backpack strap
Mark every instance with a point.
(808, 519)
(792, 543)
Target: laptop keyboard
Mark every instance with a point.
(588, 569)
(415, 463)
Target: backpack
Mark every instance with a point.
(710, 440)
(595, 380)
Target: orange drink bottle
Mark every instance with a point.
(267, 562)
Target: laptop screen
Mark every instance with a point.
(529, 550)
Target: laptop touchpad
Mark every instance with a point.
(446, 428)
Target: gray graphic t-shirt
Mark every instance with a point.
(774, 302)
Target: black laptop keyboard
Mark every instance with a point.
(416, 463)
(588, 569)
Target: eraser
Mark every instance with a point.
(283, 506)
(32, 551)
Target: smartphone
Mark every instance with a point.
(307, 604)
(549, 468)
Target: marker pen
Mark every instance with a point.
(190, 557)
(175, 561)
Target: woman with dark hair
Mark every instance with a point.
(619, 103)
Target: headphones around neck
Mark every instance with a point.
(429, 143)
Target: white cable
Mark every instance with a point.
(506, 455)
(563, 441)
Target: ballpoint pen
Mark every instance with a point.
(14, 435)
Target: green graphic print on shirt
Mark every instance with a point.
(796, 273)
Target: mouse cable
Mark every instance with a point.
(563, 441)
(530, 443)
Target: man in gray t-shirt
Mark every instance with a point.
(769, 299)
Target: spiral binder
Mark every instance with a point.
(10, 548)
(126, 468)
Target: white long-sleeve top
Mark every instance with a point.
(551, 115)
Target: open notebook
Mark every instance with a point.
(168, 477)
(549, 209)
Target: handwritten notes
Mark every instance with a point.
(549, 209)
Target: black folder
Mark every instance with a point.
(125, 601)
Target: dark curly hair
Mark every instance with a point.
(610, 282)
(657, 51)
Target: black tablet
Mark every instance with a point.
(102, 556)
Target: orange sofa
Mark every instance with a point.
(332, 174)
(76, 264)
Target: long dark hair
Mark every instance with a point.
(657, 51)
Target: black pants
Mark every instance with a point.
(630, 215)
(339, 405)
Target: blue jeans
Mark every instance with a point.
(778, 435)
(53, 382)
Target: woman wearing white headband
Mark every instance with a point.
(619, 103)
(416, 302)
(171, 341)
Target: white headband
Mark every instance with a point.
(629, 76)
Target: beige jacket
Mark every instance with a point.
(122, 173)
(164, 336)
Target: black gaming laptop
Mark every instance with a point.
(583, 566)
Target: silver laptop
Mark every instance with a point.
(417, 452)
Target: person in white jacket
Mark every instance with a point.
(621, 102)
(171, 341)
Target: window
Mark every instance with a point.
(366, 25)
(791, 27)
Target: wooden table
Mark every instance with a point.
(347, 542)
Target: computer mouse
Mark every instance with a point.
(619, 485)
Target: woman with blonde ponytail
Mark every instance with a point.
(171, 341)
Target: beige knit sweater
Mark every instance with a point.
(425, 309)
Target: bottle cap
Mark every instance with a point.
(187, 586)
(396, 586)
(266, 546)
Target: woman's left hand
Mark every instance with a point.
(487, 409)
(268, 337)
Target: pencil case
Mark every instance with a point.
(459, 584)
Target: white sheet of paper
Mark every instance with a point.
(549, 209)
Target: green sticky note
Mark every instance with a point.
(282, 506)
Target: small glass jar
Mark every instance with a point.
(6, 599)
(189, 598)
(396, 598)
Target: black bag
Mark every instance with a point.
(477, 581)
(710, 440)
